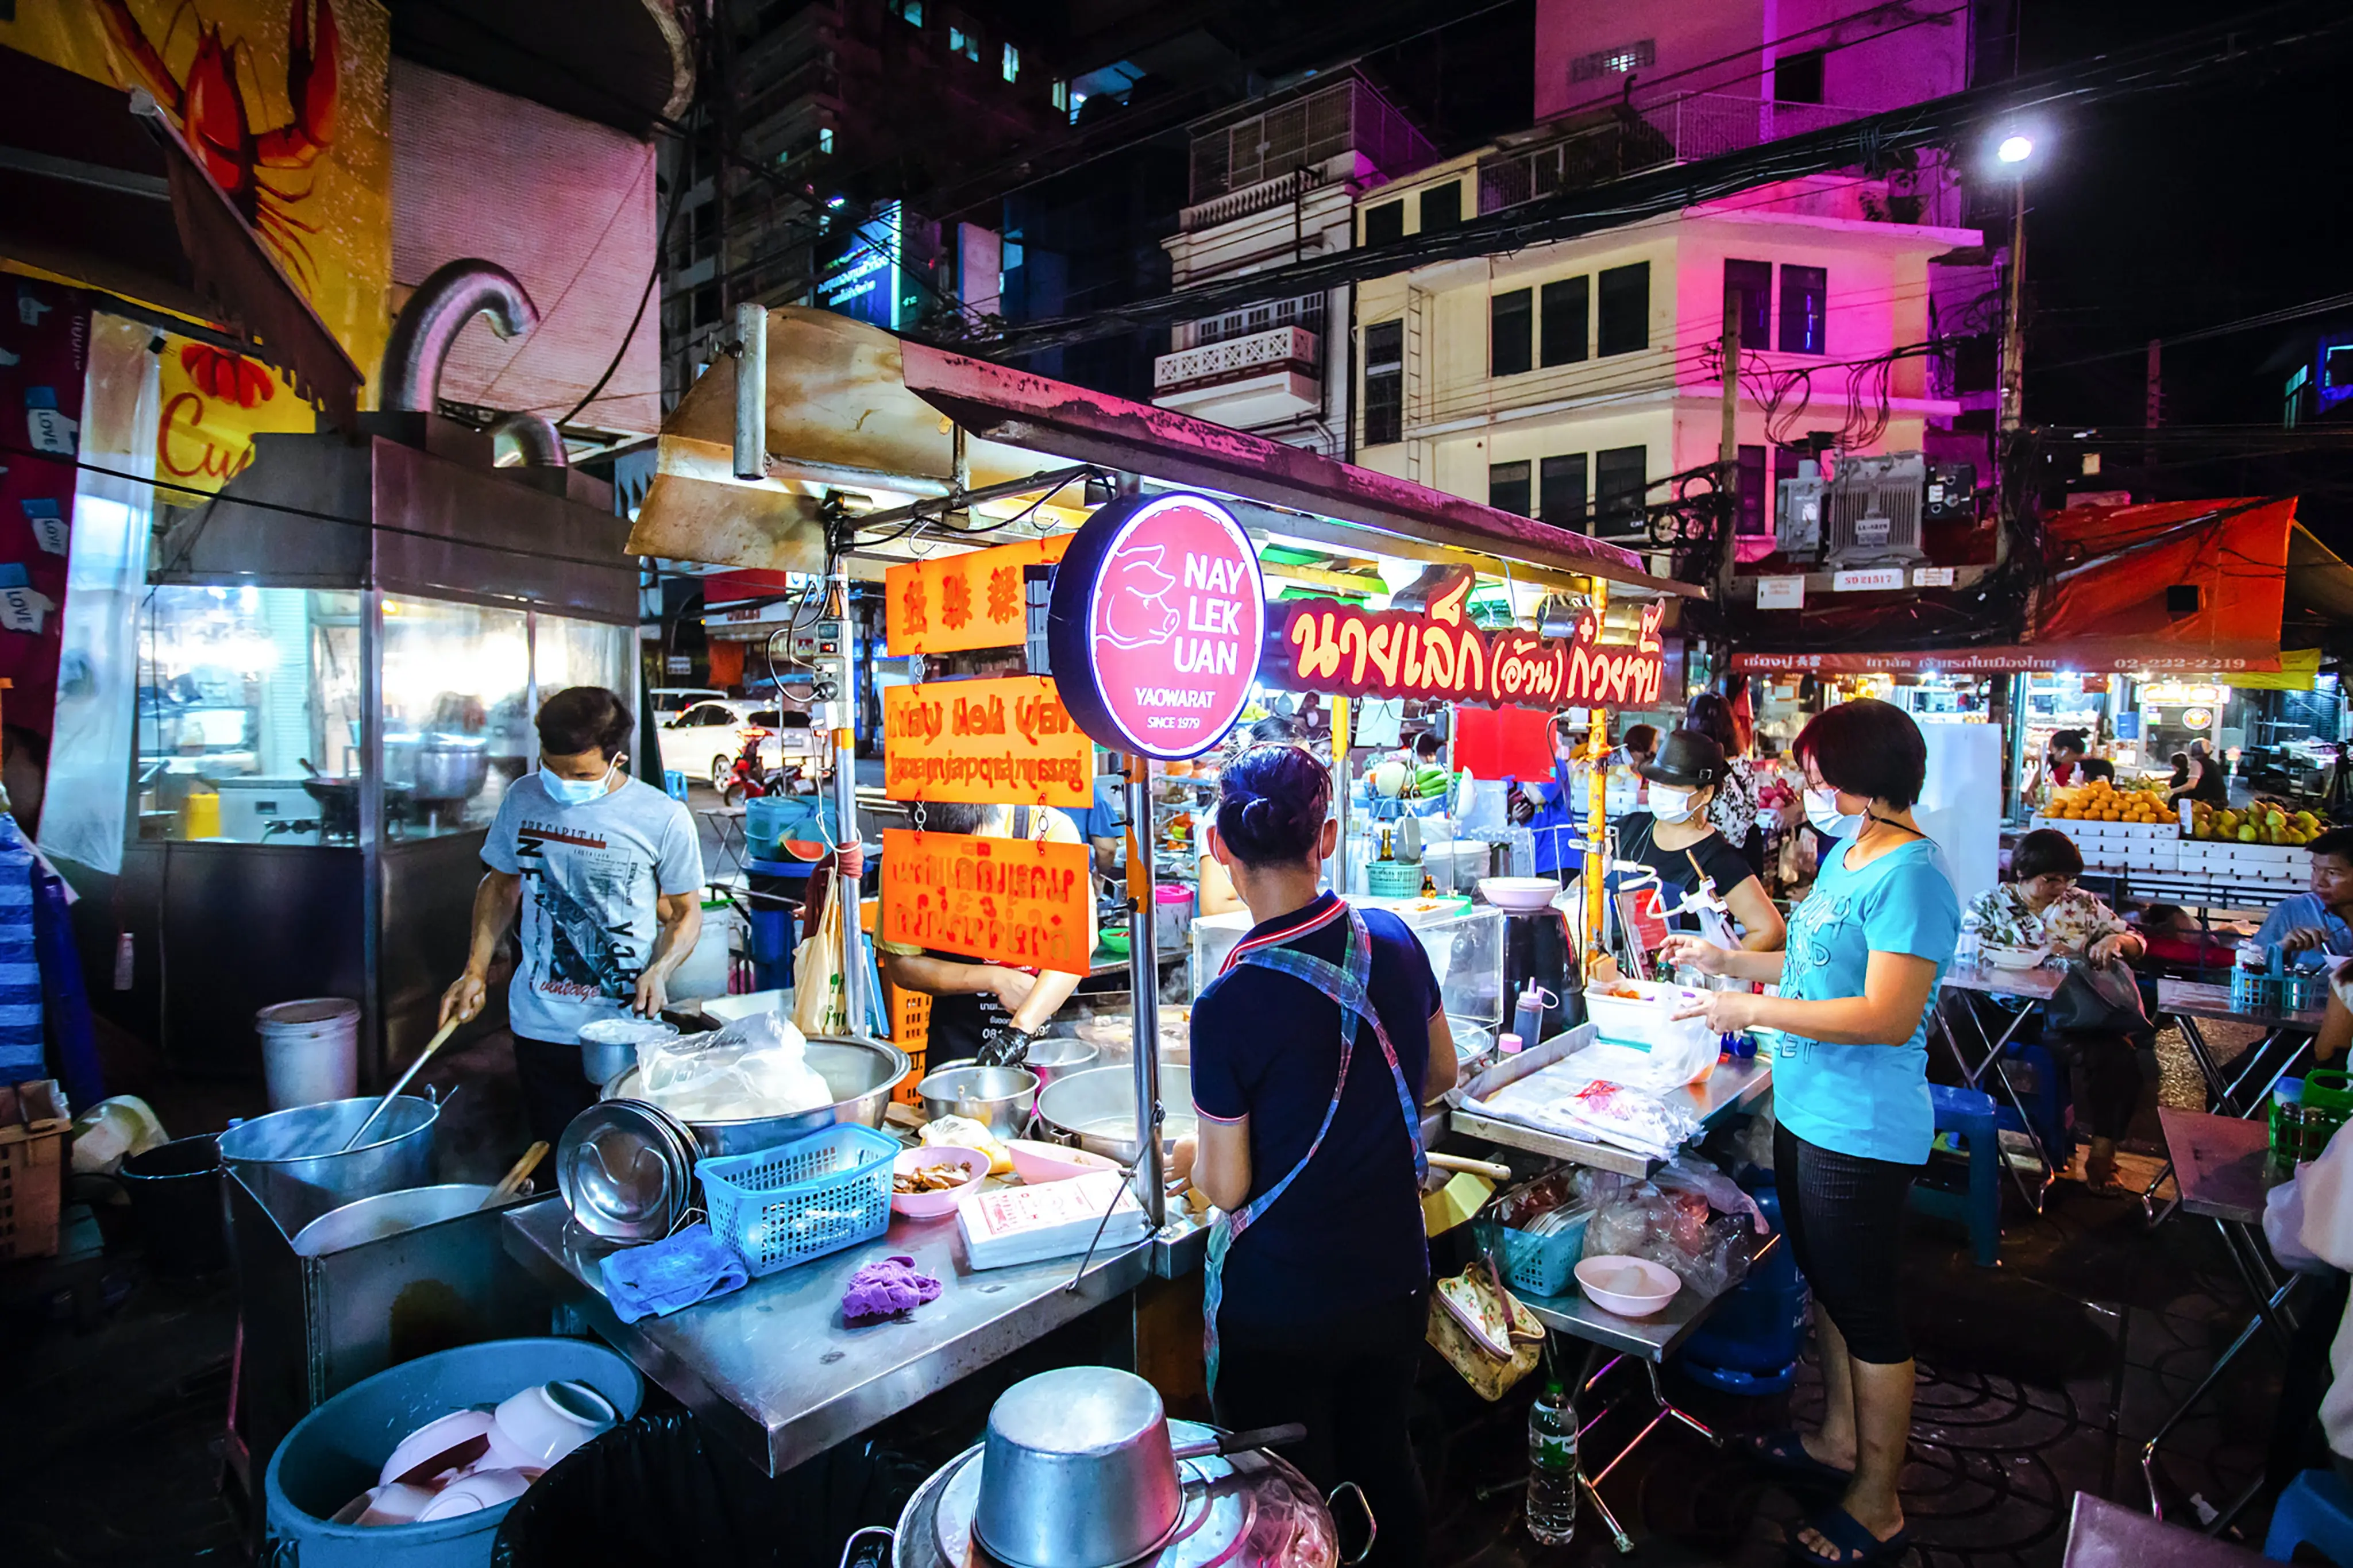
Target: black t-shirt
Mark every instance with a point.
(1722, 862)
(1348, 1233)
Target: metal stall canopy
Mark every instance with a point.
(2172, 585)
(856, 413)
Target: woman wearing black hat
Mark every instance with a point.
(1675, 839)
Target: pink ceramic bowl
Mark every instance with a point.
(1036, 1163)
(932, 1206)
(453, 1432)
(472, 1493)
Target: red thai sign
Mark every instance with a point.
(1157, 619)
(1025, 903)
(1322, 645)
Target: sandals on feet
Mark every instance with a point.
(1786, 1451)
(1853, 1544)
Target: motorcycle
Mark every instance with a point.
(750, 778)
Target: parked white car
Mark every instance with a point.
(670, 701)
(703, 740)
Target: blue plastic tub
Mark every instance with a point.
(333, 1454)
(1750, 1343)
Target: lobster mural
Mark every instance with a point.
(218, 115)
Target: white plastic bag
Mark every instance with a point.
(819, 1008)
(755, 1067)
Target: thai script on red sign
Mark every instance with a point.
(1322, 645)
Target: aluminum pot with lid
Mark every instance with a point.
(1081, 1468)
(295, 1163)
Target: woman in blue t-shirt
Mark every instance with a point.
(1867, 950)
(1317, 1285)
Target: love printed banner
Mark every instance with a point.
(1021, 902)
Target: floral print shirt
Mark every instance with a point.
(2070, 923)
(1733, 812)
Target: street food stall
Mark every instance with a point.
(1120, 553)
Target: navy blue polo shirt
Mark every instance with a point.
(1348, 1233)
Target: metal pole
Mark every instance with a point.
(1144, 982)
(1728, 445)
(751, 391)
(2013, 334)
(1340, 883)
(845, 806)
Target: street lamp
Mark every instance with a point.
(2012, 154)
(2015, 149)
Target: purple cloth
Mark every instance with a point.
(886, 1286)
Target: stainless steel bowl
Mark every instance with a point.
(1096, 1110)
(1077, 1471)
(624, 1171)
(1060, 1058)
(608, 1046)
(861, 1072)
(388, 1213)
(295, 1163)
(999, 1098)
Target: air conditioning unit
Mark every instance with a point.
(1798, 512)
(1874, 510)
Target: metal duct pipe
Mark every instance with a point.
(529, 441)
(455, 293)
(751, 391)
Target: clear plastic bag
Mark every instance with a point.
(1671, 1220)
(755, 1067)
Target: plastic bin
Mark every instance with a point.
(1751, 1342)
(803, 1200)
(333, 1454)
(1543, 1265)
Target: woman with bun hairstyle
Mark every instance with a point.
(1313, 1051)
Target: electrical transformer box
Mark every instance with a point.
(1798, 512)
(1873, 508)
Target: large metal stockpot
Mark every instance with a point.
(1080, 1469)
(294, 1163)
(1096, 1110)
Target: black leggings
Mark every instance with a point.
(2104, 1074)
(1844, 1217)
(1350, 1382)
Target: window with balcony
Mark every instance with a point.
(1385, 224)
(1623, 308)
(964, 39)
(1560, 493)
(1010, 64)
(1511, 321)
(1622, 60)
(1755, 513)
(1384, 382)
(1062, 93)
(1507, 487)
(1753, 281)
(908, 11)
(1805, 301)
(1442, 207)
(1568, 323)
(1621, 478)
(825, 138)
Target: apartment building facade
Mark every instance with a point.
(1275, 181)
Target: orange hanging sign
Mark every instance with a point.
(951, 603)
(1000, 742)
(1014, 901)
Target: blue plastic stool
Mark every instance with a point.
(1970, 1115)
(2046, 1102)
(2316, 1510)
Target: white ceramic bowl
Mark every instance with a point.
(457, 1427)
(1629, 1286)
(1519, 895)
(932, 1206)
(1036, 1163)
(731, 1009)
(474, 1491)
(380, 1506)
(548, 1420)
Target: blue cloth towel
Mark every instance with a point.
(666, 1277)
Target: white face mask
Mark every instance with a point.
(1822, 810)
(1669, 803)
(578, 792)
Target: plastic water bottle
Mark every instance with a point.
(1551, 1468)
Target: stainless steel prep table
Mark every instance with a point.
(774, 1367)
(1734, 1083)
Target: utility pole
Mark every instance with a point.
(2156, 404)
(1727, 447)
(2014, 333)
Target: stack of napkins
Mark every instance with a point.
(1057, 1219)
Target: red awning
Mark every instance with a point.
(2178, 585)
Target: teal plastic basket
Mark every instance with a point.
(802, 1200)
(1543, 1265)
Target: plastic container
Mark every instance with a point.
(1393, 879)
(333, 1454)
(310, 1050)
(175, 1197)
(799, 1202)
(789, 827)
(2305, 1114)
(1543, 1265)
(1751, 1340)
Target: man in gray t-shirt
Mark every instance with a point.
(606, 874)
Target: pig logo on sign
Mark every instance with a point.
(1135, 614)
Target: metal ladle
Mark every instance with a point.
(393, 1093)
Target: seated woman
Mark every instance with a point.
(1675, 839)
(2041, 903)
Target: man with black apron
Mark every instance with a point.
(983, 1010)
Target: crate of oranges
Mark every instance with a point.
(2100, 801)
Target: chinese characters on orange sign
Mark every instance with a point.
(989, 742)
(1322, 645)
(951, 604)
(1014, 901)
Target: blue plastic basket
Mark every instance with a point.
(802, 1200)
(1543, 1265)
